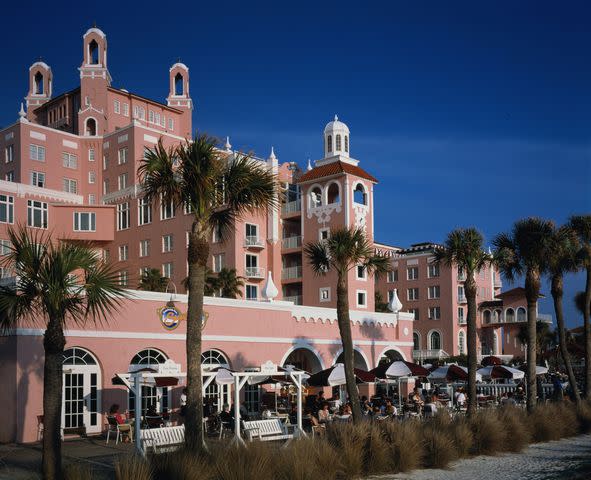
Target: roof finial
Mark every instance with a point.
(22, 113)
(336, 117)
(178, 60)
(94, 24)
(272, 156)
(309, 167)
(227, 145)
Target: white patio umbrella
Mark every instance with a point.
(540, 370)
(452, 373)
(500, 371)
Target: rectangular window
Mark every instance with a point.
(145, 248)
(361, 298)
(170, 124)
(412, 273)
(38, 179)
(393, 276)
(166, 243)
(217, 235)
(70, 185)
(218, 262)
(323, 234)
(84, 221)
(122, 181)
(9, 177)
(6, 209)
(136, 112)
(144, 211)
(434, 313)
(91, 155)
(142, 113)
(157, 119)
(461, 294)
(69, 160)
(166, 210)
(37, 153)
(433, 271)
(461, 315)
(187, 209)
(150, 116)
(105, 186)
(36, 214)
(415, 312)
(361, 272)
(123, 278)
(126, 109)
(325, 294)
(252, 292)
(91, 199)
(434, 291)
(105, 161)
(123, 216)
(91, 177)
(167, 270)
(163, 121)
(122, 155)
(123, 253)
(9, 153)
(413, 294)
(5, 247)
(117, 106)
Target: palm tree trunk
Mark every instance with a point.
(470, 290)
(347, 340)
(587, 330)
(532, 292)
(53, 343)
(557, 293)
(197, 256)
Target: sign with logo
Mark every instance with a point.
(169, 367)
(269, 368)
(171, 317)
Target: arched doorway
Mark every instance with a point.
(303, 359)
(218, 395)
(157, 396)
(81, 390)
(358, 360)
(391, 356)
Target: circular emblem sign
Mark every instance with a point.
(169, 317)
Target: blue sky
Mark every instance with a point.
(469, 113)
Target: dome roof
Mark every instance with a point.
(336, 125)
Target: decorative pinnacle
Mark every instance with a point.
(336, 117)
(272, 156)
(309, 167)
(227, 145)
(22, 113)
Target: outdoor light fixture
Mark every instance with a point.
(170, 303)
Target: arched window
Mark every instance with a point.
(416, 341)
(347, 143)
(333, 194)
(215, 394)
(359, 195)
(329, 143)
(486, 317)
(509, 315)
(93, 52)
(391, 356)
(315, 197)
(462, 342)
(78, 356)
(435, 341)
(521, 315)
(149, 357)
(497, 316)
(338, 143)
(90, 127)
(213, 359)
(39, 83)
(178, 84)
(157, 396)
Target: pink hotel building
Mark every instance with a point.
(69, 167)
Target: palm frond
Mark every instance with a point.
(157, 173)
(318, 257)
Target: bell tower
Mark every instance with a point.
(179, 97)
(40, 87)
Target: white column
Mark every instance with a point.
(138, 412)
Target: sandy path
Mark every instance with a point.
(564, 459)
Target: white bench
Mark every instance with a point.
(163, 439)
(267, 430)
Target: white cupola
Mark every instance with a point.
(336, 139)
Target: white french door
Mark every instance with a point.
(81, 398)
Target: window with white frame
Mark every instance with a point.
(415, 312)
(6, 209)
(105, 161)
(361, 298)
(461, 318)
(412, 273)
(117, 106)
(166, 210)
(142, 113)
(461, 342)
(145, 248)
(136, 112)
(70, 185)
(390, 295)
(126, 109)
(251, 265)
(150, 116)
(38, 179)
(157, 118)
(91, 177)
(171, 124)
(393, 276)
(123, 252)
(435, 341)
(434, 313)
(361, 272)
(163, 121)
(144, 211)
(122, 155)
(251, 234)
(105, 186)
(217, 235)
(91, 154)
(9, 177)
(434, 291)
(461, 294)
(323, 234)
(187, 208)
(69, 160)
(325, 294)
(167, 270)
(9, 153)
(84, 221)
(5, 247)
(91, 199)
(123, 278)
(123, 216)
(218, 262)
(122, 181)
(251, 292)
(167, 243)
(412, 294)
(37, 153)
(433, 270)
(36, 214)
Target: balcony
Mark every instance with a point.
(424, 354)
(254, 272)
(253, 242)
(462, 320)
(544, 318)
(296, 299)
(289, 273)
(291, 207)
(292, 242)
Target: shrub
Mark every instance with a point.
(181, 465)
(487, 431)
(568, 422)
(77, 471)
(375, 458)
(256, 460)
(404, 444)
(305, 459)
(438, 446)
(584, 417)
(132, 467)
(349, 442)
(516, 432)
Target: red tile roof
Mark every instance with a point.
(335, 168)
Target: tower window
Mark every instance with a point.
(333, 194)
(90, 127)
(329, 143)
(359, 195)
(93, 53)
(315, 197)
(178, 84)
(347, 143)
(338, 145)
(39, 83)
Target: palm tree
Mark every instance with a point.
(153, 281)
(581, 224)
(561, 259)
(524, 251)
(217, 190)
(345, 249)
(230, 283)
(464, 249)
(381, 306)
(60, 284)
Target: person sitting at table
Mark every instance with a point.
(460, 397)
(508, 400)
(390, 409)
(122, 423)
(324, 413)
(336, 401)
(430, 408)
(226, 417)
(416, 398)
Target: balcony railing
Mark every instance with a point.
(292, 242)
(296, 299)
(291, 272)
(291, 207)
(253, 241)
(462, 320)
(255, 272)
(544, 318)
(423, 354)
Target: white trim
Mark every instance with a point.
(22, 190)
(390, 348)
(304, 346)
(429, 345)
(357, 292)
(361, 352)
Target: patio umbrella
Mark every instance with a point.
(268, 380)
(335, 375)
(451, 373)
(491, 360)
(399, 369)
(540, 370)
(500, 371)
